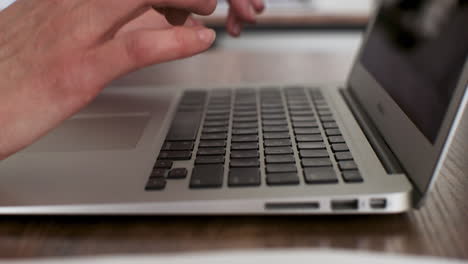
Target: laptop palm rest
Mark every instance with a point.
(94, 132)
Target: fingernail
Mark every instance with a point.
(206, 34)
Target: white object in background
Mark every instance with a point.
(5, 3)
(250, 257)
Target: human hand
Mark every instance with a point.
(56, 56)
(242, 12)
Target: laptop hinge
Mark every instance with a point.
(386, 156)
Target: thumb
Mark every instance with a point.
(145, 47)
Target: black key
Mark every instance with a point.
(277, 142)
(245, 113)
(352, 176)
(343, 156)
(185, 126)
(244, 177)
(277, 168)
(316, 162)
(219, 107)
(245, 119)
(336, 139)
(274, 117)
(280, 159)
(245, 131)
(278, 150)
(297, 102)
(275, 129)
(244, 146)
(277, 105)
(316, 153)
(244, 154)
(252, 107)
(311, 145)
(239, 104)
(163, 164)
(301, 113)
(175, 155)
(333, 132)
(309, 138)
(273, 111)
(211, 151)
(306, 131)
(282, 178)
(157, 173)
(320, 102)
(213, 136)
(209, 160)
(216, 124)
(303, 119)
(177, 173)
(320, 175)
(207, 176)
(347, 165)
(275, 122)
(300, 108)
(305, 125)
(212, 143)
(155, 184)
(276, 135)
(209, 130)
(245, 138)
(327, 119)
(324, 112)
(218, 111)
(330, 125)
(242, 163)
(209, 118)
(178, 145)
(245, 125)
(322, 106)
(340, 147)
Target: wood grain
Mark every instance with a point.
(440, 228)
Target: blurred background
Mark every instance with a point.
(299, 25)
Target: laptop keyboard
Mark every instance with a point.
(285, 133)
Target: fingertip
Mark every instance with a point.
(243, 11)
(232, 24)
(258, 5)
(206, 35)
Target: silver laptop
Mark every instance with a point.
(374, 146)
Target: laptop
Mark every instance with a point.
(373, 146)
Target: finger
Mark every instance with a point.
(243, 10)
(105, 17)
(258, 5)
(146, 47)
(149, 20)
(233, 26)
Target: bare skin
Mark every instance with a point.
(57, 55)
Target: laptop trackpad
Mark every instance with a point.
(94, 132)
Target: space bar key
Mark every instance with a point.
(185, 126)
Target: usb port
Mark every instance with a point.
(378, 203)
(339, 205)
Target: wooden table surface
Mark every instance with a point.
(440, 228)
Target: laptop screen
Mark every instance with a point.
(416, 51)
